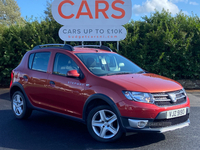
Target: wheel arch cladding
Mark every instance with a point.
(97, 100)
(18, 87)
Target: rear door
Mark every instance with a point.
(36, 77)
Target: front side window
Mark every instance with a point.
(63, 64)
(104, 64)
(40, 61)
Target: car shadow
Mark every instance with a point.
(45, 131)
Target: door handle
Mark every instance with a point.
(52, 83)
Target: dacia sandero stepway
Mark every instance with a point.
(100, 88)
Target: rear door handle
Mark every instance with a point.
(52, 83)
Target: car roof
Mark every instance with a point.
(89, 50)
(76, 49)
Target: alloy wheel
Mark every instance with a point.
(18, 105)
(105, 124)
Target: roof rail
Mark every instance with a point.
(95, 46)
(63, 46)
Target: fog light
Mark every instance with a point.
(137, 123)
(142, 124)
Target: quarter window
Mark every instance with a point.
(30, 62)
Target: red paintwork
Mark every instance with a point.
(11, 81)
(145, 111)
(73, 73)
(69, 95)
(149, 83)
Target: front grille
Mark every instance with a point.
(164, 99)
(168, 122)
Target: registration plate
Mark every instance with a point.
(176, 113)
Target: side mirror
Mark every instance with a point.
(73, 73)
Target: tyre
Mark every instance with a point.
(103, 124)
(19, 106)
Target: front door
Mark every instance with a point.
(65, 93)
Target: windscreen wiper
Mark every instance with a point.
(119, 73)
(140, 72)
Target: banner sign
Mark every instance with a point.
(92, 20)
(92, 12)
(92, 33)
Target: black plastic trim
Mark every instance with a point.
(107, 100)
(126, 123)
(17, 84)
(96, 47)
(158, 130)
(59, 114)
(148, 128)
(62, 46)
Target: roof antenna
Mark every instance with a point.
(117, 46)
(82, 44)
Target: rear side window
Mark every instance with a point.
(39, 62)
(30, 62)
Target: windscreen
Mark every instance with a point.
(105, 64)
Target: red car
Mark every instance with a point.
(99, 88)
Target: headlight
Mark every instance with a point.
(139, 97)
(184, 92)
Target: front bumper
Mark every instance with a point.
(159, 124)
(160, 130)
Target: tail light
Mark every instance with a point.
(12, 75)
